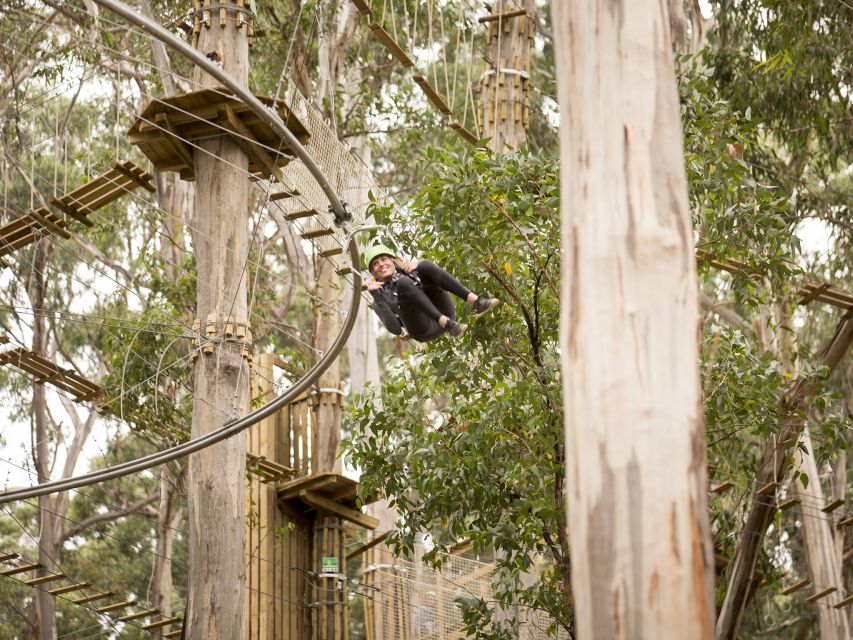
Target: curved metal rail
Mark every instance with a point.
(232, 427)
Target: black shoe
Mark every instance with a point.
(455, 329)
(483, 304)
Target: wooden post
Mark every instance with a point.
(504, 89)
(329, 602)
(216, 488)
(262, 515)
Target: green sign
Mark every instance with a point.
(330, 565)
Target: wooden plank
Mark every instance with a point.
(15, 228)
(317, 232)
(4, 557)
(845, 521)
(29, 362)
(302, 213)
(291, 489)
(331, 251)
(138, 615)
(46, 371)
(789, 503)
(843, 602)
(68, 588)
(134, 177)
(66, 375)
(722, 487)
(832, 506)
(369, 545)
(138, 174)
(767, 489)
(281, 195)
(248, 143)
(174, 634)
(821, 594)
(176, 142)
(93, 597)
(432, 94)
(322, 502)
(44, 579)
(465, 133)
(116, 606)
(305, 429)
(393, 48)
(362, 7)
(813, 293)
(96, 187)
(159, 623)
(109, 192)
(70, 210)
(22, 569)
(38, 215)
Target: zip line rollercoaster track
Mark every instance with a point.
(233, 427)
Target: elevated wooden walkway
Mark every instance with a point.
(121, 179)
(45, 371)
(101, 602)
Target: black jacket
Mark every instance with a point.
(387, 306)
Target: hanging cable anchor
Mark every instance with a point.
(342, 217)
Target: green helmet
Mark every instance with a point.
(375, 251)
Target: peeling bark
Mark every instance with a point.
(635, 447)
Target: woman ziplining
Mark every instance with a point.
(415, 295)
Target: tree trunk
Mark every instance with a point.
(773, 465)
(824, 565)
(44, 603)
(216, 488)
(168, 519)
(504, 88)
(635, 452)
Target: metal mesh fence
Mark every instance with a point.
(409, 600)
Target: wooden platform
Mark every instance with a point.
(168, 127)
(330, 492)
(43, 370)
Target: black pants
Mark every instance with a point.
(421, 307)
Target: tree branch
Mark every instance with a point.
(723, 311)
(137, 508)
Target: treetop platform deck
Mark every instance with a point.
(168, 128)
(330, 492)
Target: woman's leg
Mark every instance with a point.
(417, 312)
(434, 276)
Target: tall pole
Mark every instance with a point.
(635, 442)
(220, 392)
(504, 88)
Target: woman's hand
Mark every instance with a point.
(374, 285)
(410, 266)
